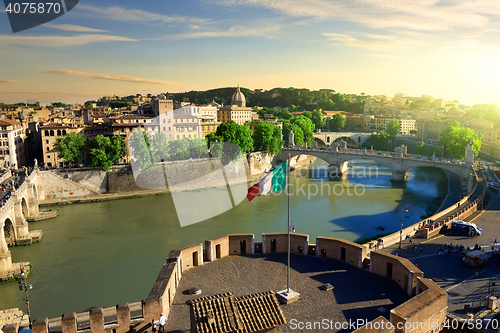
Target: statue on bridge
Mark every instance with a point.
(338, 144)
(401, 150)
(291, 143)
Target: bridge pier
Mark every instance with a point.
(335, 171)
(399, 176)
(5, 255)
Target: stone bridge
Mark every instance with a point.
(353, 139)
(398, 162)
(21, 204)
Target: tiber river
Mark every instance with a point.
(103, 254)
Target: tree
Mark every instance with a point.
(307, 127)
(318, 119)
(103, 151)
(71, 147)
(198, 148)
(234, 133)
(179, 149)
(268, 137)
(160, 148)
(379, 141)
(307, 114)
(456, 138)
(298, 135)
(118, 104)
(141, 149)
(337, 122)
(421, 148)
(393, 128)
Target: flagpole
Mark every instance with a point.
(288, 198)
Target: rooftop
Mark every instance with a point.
(357, 293)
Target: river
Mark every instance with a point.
(106, 253)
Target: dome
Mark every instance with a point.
(238, 98)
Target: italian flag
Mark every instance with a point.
(272, 182)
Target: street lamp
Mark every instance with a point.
(405, 208)
(23, 285)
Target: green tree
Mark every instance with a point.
(318, 119)
(179, 149)
(337, 122)
(421, 148)
(393, 128)
(103, 151)
(456, 138)
(118, 104)
(268, 137)
(143, 157)
(234, 133)
(307, 127)
(307, 114)
(298, 135)
(198, 148)
(160, 148)
(71, 147)
(379, 141)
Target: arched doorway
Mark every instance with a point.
(9, 232)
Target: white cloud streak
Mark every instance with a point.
(236, 31)
(60, 41)
(118, 13)
(374, 42)
(408, 14)
(71, 27)
(123, 78)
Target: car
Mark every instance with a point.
(489, 179)
(495, 189)
(496, 184)
(323, 148)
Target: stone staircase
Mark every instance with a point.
(77, 184)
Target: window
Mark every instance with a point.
(47, 149)
(164, 129)
(46, 134)
(58, 132)
(51, 132)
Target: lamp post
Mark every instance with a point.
(23, 285)
(405, 208)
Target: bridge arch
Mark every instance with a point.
(24, 208)
(9, 232)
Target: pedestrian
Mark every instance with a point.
(153, 326)
(406, 252)
(416, 264)
(421, 252)
(495, 242)
(162, 321)
(411, 240)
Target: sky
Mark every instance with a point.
(444, 48)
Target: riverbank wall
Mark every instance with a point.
(428, 302)
(435, 224)
(62, 186)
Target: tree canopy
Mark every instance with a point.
(235, 133)
(393, 128)
(105, 151)
(268, 137)
(456, 138)
(337, 122)
(71, 147)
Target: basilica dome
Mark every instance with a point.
(238, 98)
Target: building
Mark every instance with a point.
(430, 129)
(237, 111)
(11, 144)
(50, 133)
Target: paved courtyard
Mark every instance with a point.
(357, 293)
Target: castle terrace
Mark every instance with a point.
(357, 294)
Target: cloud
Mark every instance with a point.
(407, 14)
(60, 41)
(123, 78)
(236, 31)
(71, 27)
(373, 41)
(15, 81)
(118, 13)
